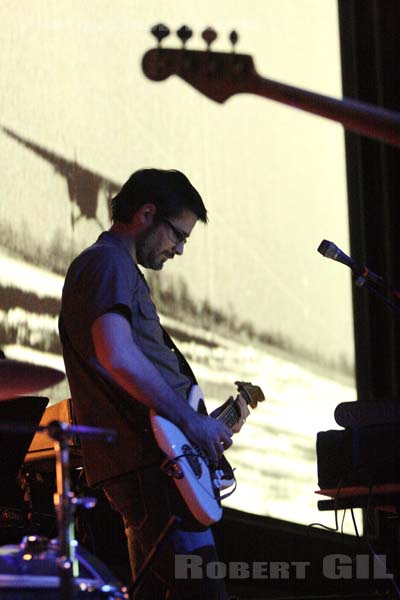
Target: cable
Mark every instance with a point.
(378, 559)
(354, 522)
(336, 498)
(343, 518)
(336, 528)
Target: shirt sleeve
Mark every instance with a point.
(107, 281)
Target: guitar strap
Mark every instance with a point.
(184, 366)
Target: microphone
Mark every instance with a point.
(330, 250)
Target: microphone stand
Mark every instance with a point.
(395, 307)
(361, 274)
(360, 281)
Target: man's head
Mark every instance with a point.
(162, 207)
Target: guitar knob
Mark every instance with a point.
(184, 33)
(217, 479)
(233, 39)
(160, 32)
(209, 35)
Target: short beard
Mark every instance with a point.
(145, 250)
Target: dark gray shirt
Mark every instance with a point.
(104, 278)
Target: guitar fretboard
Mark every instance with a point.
(229, 415)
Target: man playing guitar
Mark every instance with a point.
(121, 364)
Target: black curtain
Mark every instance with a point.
(370, 48)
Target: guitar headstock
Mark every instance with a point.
(253, 394)
(218, 75)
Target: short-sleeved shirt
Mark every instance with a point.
(104, 278)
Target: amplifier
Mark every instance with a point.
(359, 456)
(361, 413)
(42, 447)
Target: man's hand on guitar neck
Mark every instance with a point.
(240, 405)
(212, 436)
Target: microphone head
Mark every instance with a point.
(327, 249)
(330, 250)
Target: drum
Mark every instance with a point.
(28, 571)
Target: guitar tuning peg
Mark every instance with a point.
(160, 32)
(209, 35)
(233, 39)
(184, 33)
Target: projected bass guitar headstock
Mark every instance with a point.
(218, 75)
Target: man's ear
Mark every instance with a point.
(146, 213)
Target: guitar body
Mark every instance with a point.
(188, 465)
(197, 479)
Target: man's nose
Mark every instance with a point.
(179, 248)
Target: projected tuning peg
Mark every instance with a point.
(233, 37)
(209, 35)
(160, 32)
(184, 33)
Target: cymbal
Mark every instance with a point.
(17, 378)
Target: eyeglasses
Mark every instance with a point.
(180, 236)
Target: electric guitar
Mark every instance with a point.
(198, 479)
(220, 75)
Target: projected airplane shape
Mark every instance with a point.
(83, 185)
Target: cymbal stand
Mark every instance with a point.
(65, 501)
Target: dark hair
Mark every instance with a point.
(170, 191)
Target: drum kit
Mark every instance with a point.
(39, 568)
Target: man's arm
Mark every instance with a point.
(123, 359)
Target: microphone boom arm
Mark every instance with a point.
(362, 274)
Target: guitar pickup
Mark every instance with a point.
(193, 459)
(171, 468)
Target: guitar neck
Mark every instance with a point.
(220, 75)
(229, 416)
(356, 116)
(251, 394)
